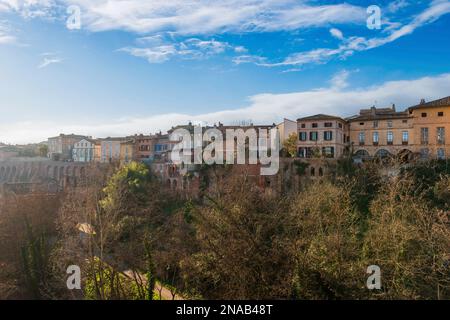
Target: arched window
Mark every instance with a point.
(362, 154)
(313, 171)
(382, 153)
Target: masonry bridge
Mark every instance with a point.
(28, 175)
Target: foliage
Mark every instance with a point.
(290, 145)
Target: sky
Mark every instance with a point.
(121, 67)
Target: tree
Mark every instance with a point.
(326, 245)
(43, 150)
(242, 245)
(409, 240)
(290, 145)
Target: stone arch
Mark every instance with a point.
(405, 155)
(8, 172)
(13, 173)
(175, 184)
(382, 153)
(362, 153)
(60, 173)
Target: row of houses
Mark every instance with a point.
(418, 132)
(422, 130)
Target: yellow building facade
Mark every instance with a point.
(381, 132)
(431, 125)
(127, 151)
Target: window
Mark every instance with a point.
(313, 136)
(440, 114)
(328, 124)
(340, 125)
(405, 137)
(302, 152)
(375, 124)
(315, 125)
(404, 121)
(375, 138)
(390, 137)
(441, 154)
(424, 135)
(441, 135)
(424, 153)
(328, 135)
(362, 138)
(313, 171)
(303, 125)
(328, 152)
(424, 114)
(303, 136)
(389, 124)
(361, 123)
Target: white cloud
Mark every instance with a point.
(397, 5)
(158, 49)
(337, 33)
(267, 108)
(30, 8)
(48, 59)
(354, 44)
(339, 80)
(5, 35)
(207, 17)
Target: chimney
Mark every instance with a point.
(422, 101)
(393, 107)
(373, 110)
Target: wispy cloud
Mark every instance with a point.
(158, 49)
(266, 108)
(48, 59)
(353, 44)
(208, 17)
(5, 34)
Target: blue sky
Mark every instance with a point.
(140, 66)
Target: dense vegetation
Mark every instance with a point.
(134, 239)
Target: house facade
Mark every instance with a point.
(321, 136)
(61, 147)
(85, 150)
(128, 151)
(110, 149)
(431, 128)
(381, 132)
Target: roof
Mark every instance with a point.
(119, 139)
(379, 114)
(435, 103)
(74, 136)
(320, 117)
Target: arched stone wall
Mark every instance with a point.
(17, 172)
